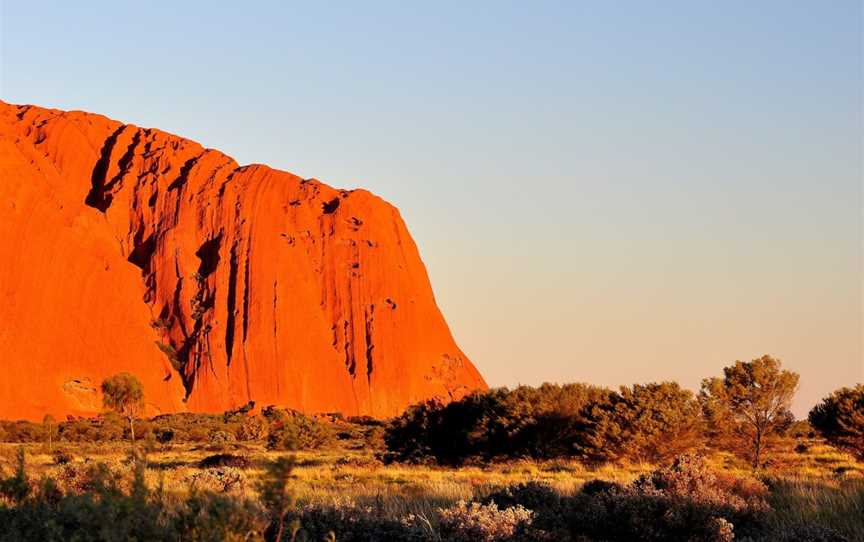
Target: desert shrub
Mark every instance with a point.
(372, 438)
(187, 427)
(84, 478)
(103, 509)
(181, 427)
(362, 436)
(483, 522)
(346, 521)
(546, 503)
(163, 435)
(62, 457)
(592, 488)
(365, 420)
(685, 501)
(252, 428)
(547, 419)
(102, 428)
(224, 460)
(473, 427)
(531, 495)
(220, 437)
(20, 431)
(295, 431)
(799, 429)
(524, 422)
(359, 462)
(219, 480)
(408, 437)
(840, 419)
(16, 487)
(184, 427)
(648, 423)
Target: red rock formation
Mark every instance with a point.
(130, 249)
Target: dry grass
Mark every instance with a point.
(329, 475)
(819, 485)
(838, 503)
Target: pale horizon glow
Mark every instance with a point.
(605, 192)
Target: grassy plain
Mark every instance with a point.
(809, 484)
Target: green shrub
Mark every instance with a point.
(683, 502)
(650, 422)
(20, 431)
(16, 488)
(646, 423)
(295, 431)
(524, 422)
(348, 522)
(62, 457)
(545, 502)
(473, 427)
(840, 419)
(224, 460)
(102, 428)
(103, 509)
(252, 428)
(475, 522)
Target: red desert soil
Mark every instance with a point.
(131, 249)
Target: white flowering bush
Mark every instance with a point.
(477, 522)
(684, 501)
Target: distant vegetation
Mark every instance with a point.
(744, 412)
(569, 462)
(840, 419)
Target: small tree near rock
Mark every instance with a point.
(124, 394)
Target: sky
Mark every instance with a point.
(608, 192)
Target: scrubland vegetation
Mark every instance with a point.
(554, 463)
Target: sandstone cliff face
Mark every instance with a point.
(130, 249)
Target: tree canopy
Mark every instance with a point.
(749, 404)
(840, 419)
(124, 394)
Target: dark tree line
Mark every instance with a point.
(742, 411)
(840, 419)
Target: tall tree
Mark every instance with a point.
(124, 394)
(749, 404)
(840, 419)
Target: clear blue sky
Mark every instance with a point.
(612, 192)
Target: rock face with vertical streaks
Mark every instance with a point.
(130, 249)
